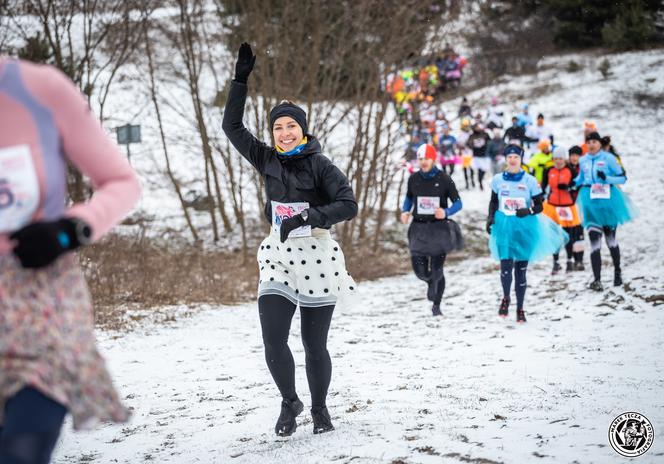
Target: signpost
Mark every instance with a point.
(128, 134)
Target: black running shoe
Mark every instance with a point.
(435, 310)
(579, 266)
(556, 268)
(520, 316)
(617, 279)
(504, 306)
(322, 421)
(596, 285)
(286, 424)
(569, 267)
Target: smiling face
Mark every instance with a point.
(574, 159)
(426, 164)
(559, 163)
(513, 162)
(287, 133)
(594, 146)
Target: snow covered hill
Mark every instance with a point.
(409, 388)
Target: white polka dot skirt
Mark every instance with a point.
(309, 271)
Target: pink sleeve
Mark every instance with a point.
(93, 152)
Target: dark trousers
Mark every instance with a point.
(520, 284)
(595, 235)
(430, 270)
(276, 313)
(31, 428)
(469, 175)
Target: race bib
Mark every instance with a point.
(19, 188)
(564, 213)
(509, 205)
(600, 191)
(281, 211)
(427, 205)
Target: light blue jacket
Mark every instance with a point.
(590, 165)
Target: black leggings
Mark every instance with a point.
(480, 177)
(31, 428)
(468, 174)
(430, 270)
(575, 235)
(595, 235)
(276, 313)
(520, 284)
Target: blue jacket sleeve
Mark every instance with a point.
(407, 204)
(454, 208)
(616, 174)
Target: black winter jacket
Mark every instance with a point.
(308, 176)
(440, 185)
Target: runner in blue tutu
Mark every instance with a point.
(518, 233)
(603, 205)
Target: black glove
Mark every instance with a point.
(289, 225)
(245, 63)
(40, 243)
(522, 212)
(488, 227)
(601, 175)
(563, 186)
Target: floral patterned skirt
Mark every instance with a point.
(47, 341)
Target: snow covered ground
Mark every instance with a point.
(409, 388)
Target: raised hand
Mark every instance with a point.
(245, 63)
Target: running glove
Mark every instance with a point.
(245, 63)
(601, 175)
(289, 225)
(41, 243)
(523, 212)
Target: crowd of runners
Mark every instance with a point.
(544, 197)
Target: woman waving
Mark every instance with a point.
(299, 262)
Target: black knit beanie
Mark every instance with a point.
(286, 108)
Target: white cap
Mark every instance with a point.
(560, 152)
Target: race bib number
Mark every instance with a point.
(19, 188)
(281, 211)
(427, 205)
(509, 205)
(565, 213)
(600, 191)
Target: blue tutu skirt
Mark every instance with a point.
(530, 238)
(610, 212)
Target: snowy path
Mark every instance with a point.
(406, 386)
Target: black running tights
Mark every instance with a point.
(520, 268)
(31, 428)
(276, 313)
(595, 235)
(430, 270)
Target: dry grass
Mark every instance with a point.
(133, 277)
(124, 271)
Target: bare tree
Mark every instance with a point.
(155, 102)
(88, 40)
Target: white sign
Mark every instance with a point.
(600, 191)
(427, 205)
(19, 188)
(281, 211)
(509, 205)
(565, 213)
